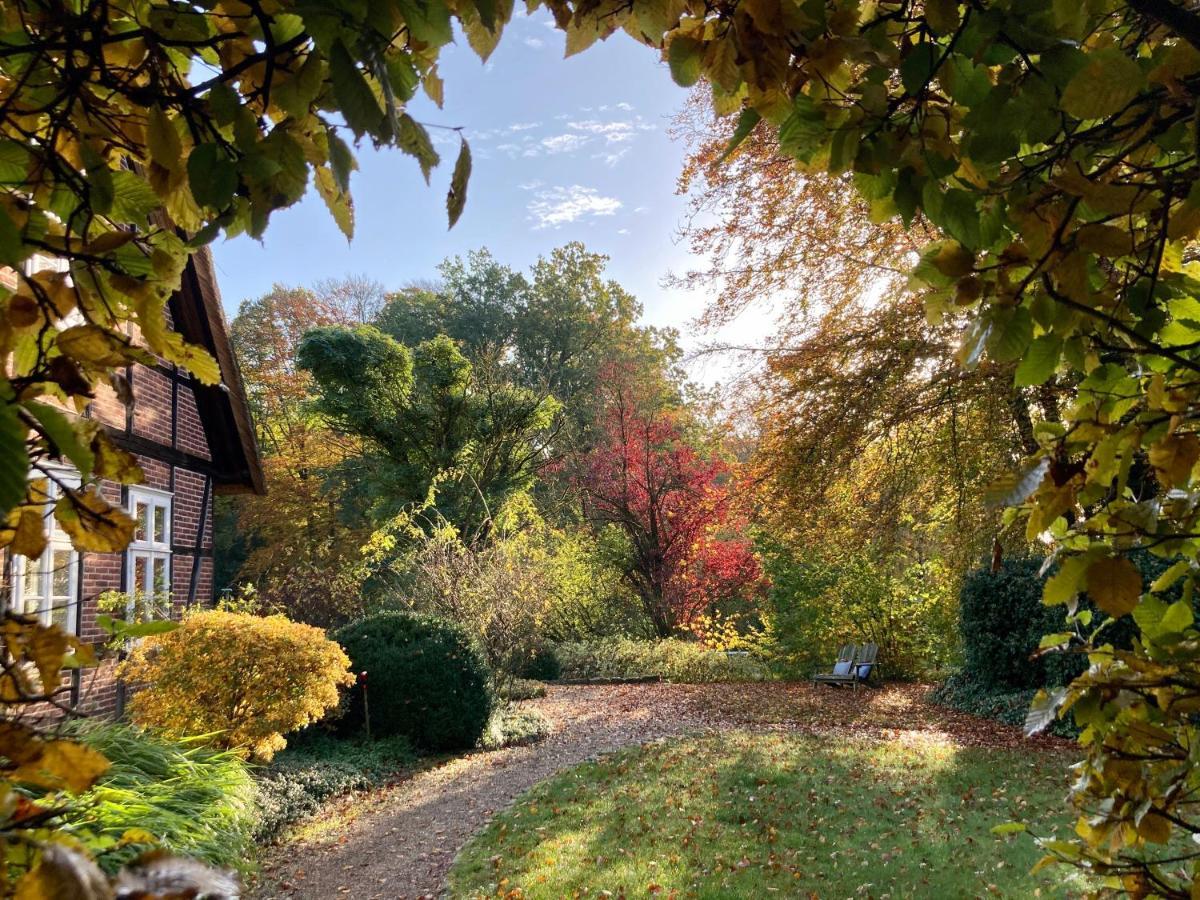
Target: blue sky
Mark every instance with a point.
(573, 149)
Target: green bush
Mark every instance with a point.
(624, 659)
(543, 666)
(962, 692)
(194, 800)
(1003, 620)
(426, 680)
(521, 689)
(319, 767)
(815, 605)
(511, 726)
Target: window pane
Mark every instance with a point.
(31, 587)
(140, 575)
(160, 576)
(60, 572)
(141, 512)
(160, 524)
(60, 613)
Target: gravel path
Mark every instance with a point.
(404, 840)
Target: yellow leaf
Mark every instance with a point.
(29, 537)
(1173, 458)
(114, 463)
(63, 764)
(195, 359)
(92, 522)
(1115, 585)
(163, 141)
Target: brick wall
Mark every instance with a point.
(191, 516)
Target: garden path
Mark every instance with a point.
(400, 841)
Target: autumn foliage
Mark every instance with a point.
(676, 508)
(244, 680)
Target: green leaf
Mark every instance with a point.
(1039, 362)
(14, 459)
(683, 58)
(341, 160)
(414, 140)
(428, 21)
(12, 248)
(355, 99)
(1176, 571)
(1177, 619)
(1055, 640)
(62, 434)
(1103, 87)
(1012, 331)
(959, 215)
(1064, 585)
(211, 176)
(802, 131)
(122, 630)
(99, 181)
(917, 69)
(14, 163)
(746, 122)
(1009, 828)
(133, 198)
(456, 197)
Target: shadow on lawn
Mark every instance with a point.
(743, 814)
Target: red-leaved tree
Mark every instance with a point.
(688, 549)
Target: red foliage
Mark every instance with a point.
(677, 509)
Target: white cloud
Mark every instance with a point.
(523, 126)
(642, 209)
(611, 159)
(622, 231)
(625, 106)
(558, 206)
(612, 132)
(563, 143)
(531, 185)
(535, 43)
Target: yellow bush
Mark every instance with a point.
(246, 680)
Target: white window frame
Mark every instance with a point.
(145, 546)
(57, 541)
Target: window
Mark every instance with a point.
(148, 560)
(47, 587)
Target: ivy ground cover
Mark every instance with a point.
(751, 814)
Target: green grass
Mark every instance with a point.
(194, 800)
(745, 815)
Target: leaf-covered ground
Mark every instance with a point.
(399, 842)
(750, 814)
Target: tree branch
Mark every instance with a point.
(1183, 22)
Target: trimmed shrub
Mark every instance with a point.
(426, 680)
(318, 768)
(511, 726)
(193, 800)
(242, 681)
(1003, 620)
(543, 666)
(685, 662)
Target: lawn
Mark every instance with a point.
(748, 815)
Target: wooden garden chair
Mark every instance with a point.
(845, 661)
(858, 671)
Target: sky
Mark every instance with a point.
(563, 150)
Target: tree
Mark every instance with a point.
(301, 551)
(677, 511)
(433, 426)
